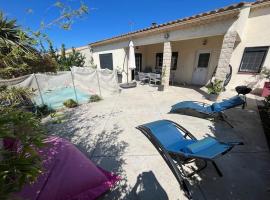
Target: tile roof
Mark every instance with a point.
(260, 1)
(213, 12)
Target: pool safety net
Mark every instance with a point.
(78, 84)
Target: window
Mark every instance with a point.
(106, 61)
(159, 60)
(253, 59)
(203, 60)
(174, 60)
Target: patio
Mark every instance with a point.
(105, 131)
(185, 55)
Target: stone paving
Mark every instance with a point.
(105, 132)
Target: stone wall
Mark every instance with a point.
(167, 55)
(226, 54)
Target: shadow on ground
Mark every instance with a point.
(194, 87)
(244, 169)
(147, 187)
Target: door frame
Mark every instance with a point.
(140, 68)
(133, 73)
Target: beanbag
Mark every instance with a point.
(67, 174)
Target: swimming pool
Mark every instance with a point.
(55, 98)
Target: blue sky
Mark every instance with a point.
(106, 18)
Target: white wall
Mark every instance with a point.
(187, 51)
(257, 33)
(152, 44)
(87, 54)
(252, 25)
(219, 27)
(84, 50)
(119, 55)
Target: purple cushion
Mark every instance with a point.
(68, 174)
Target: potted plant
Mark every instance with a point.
(266, 87)
(214, 89)
(163, 75)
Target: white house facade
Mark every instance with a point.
(189, 50)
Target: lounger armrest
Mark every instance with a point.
(233, 143)
(230, 143)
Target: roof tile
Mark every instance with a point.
(220, 10)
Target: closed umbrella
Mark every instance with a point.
(131, 65)
(131, 57)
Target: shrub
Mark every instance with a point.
(43, 110)
(94, 98)
(266, 73)
(215, 88)
(18, 53)
(58, 118)
(70, 103)
(20, 162)
(267, 102)
(16, 97)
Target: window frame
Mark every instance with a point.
(176, 63)
(100, 55)
(208, 62)
(160, 55)
(249, 49)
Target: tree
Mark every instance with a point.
(76, 58)
(65, 59)
(22, 51)
(17, 53)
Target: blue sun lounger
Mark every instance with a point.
(202, 110)
(179, 147)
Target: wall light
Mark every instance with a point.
(166, 35)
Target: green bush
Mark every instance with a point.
(58, 118)
(70, 103)
(43, 110)
(16, 97)
(94, 98)
(215, 88)
(18, 53)
(267, 102)
(23, 166)
(266, 73)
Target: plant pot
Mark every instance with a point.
(266, 89)
(128, 85)
(212, 97)
(160, 87)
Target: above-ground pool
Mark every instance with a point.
(55, 98)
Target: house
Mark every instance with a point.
(192, 48)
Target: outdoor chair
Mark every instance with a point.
(154, 78)
(179, 147)
(143, 77)
(203, 110)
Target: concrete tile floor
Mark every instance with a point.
(106, 132)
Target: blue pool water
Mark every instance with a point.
(55, 98)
